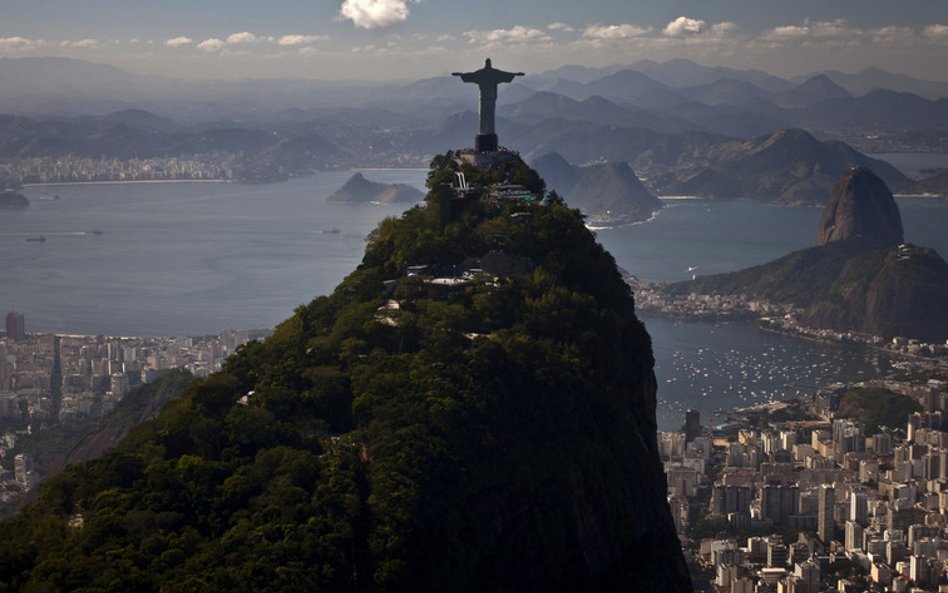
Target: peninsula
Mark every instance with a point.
(860, 278)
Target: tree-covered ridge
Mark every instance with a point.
(401, 434)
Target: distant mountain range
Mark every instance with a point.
(608, 194)
(683, 127)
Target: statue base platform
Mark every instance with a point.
(484, 160)
(485, 143)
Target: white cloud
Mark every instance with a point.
(81, 43)
(724, 28)
(307, 51)
(444, 38)
(610, 32)
(893, 36)
(818, 30)
(560, 27)
(834, 29)
(684, 26)
(372, 14)
(788, 32)
(936, 32)
(179, 41)
(293, 40)
(518, 35)
(240, 38)
(16, 43)
(211, 45)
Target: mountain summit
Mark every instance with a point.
(860, 205)
(472, 409)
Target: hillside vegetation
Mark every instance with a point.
(491, 434)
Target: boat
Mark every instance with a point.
(333, 231)
(97, 232)
(39, 239)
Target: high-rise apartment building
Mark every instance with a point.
(16, 326)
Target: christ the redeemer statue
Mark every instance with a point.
(487, 79)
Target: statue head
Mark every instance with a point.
(487, 63)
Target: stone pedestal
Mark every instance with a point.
(485, 143)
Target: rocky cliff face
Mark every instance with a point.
(860, 205)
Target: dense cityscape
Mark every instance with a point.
(51, 380)
(73, 169)
(840, 491)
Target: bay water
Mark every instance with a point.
(197, 258)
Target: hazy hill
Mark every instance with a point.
(139, 119)
(559, 174)
(608, 194)
(622, 86)
(935, 184)
(612, 194)
(871, 79)
(812, 90)
(788, 167)
(496, 437)
(681, 73)
(725, 90)
(358, 190)
(547, 105)
(879, 110)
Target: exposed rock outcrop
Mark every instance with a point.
(861, 205)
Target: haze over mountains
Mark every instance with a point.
(683, 127)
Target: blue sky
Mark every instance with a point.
(378, 39)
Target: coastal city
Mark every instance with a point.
(843, 490)
(74, 169)
(778, 317)
(51, 380)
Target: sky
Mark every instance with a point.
(408, 39)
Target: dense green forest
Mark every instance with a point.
(400, 434)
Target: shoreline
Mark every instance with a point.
(124, 182)
(757, 321)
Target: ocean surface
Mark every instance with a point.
(197, 258)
